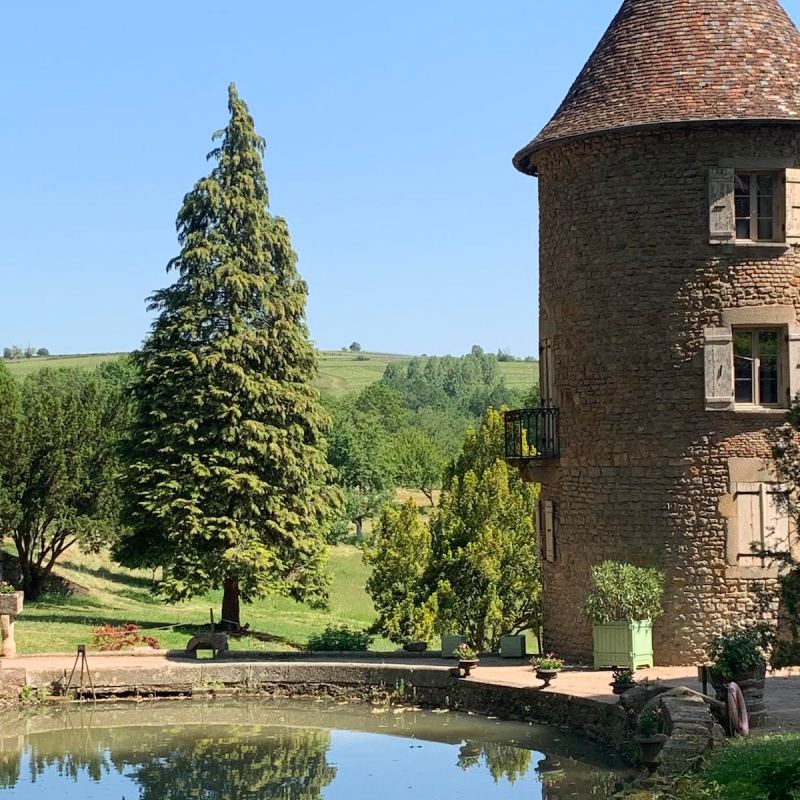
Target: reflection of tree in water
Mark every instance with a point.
(291, 766)
(514, 763)
(502, 760)
(285, 765)
(9, 770)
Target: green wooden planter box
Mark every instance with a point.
(512, 647)
(451, 643)
(623, 644)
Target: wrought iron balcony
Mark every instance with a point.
(532, 434)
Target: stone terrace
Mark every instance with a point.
(166, 672)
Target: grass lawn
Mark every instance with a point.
(762, 768)
(116, 596)
(339, 372)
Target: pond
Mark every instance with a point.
(288, 750)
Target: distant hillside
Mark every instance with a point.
(340, 372)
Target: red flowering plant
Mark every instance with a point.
(465, 653)
(117, 637)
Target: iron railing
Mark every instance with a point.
(532, 434)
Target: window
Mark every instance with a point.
(763, 521)
(756, 201)
(757, 366)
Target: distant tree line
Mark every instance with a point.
(15, 351)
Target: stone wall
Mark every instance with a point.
(629, 282)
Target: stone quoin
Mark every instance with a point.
(669, 193)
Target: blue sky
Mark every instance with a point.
(390, 131)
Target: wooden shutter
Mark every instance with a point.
(793, 206)
(719, 369)
(721, 205)
(549, 530)
(546, 387)
(750, 521)
(793, 363)
(539, 528)
(776, 519)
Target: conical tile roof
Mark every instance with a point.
(678, 61)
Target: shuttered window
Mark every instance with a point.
(546, 528)
(751, 368)
(546, 373)
(749, 206)
(763, 521)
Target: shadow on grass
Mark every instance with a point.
(112, 576)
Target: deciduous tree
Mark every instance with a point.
(228, 471)
(60, 486)
(419, 462)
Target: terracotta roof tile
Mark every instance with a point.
(672, 61)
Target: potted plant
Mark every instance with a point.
(738, 657)
(547, 668)
(623, 680)
(622, 605)
(650, 739)
(11, 600)
(467, 659)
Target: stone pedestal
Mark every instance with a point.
(10, 607)
(9, 648)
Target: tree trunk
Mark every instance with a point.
(231, 621)
(429, 495)
(359, 530)
(33, 582)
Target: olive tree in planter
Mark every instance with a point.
(622, 605)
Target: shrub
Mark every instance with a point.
(118, 637)
(548, 662)
(339, 638)
(767, 768)
(739, 650)
(649, 723)
(624, 592)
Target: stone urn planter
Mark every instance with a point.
(752, 683)
(466, 666)
(547, 675)
(650, 748)
(11, 603)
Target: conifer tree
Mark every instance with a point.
(228, 476)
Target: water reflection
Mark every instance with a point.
(287, 752)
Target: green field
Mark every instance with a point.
(116, 596)
(339, 372)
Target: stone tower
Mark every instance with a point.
(669, 188)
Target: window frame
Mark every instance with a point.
(779, 224)
(782, 357)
